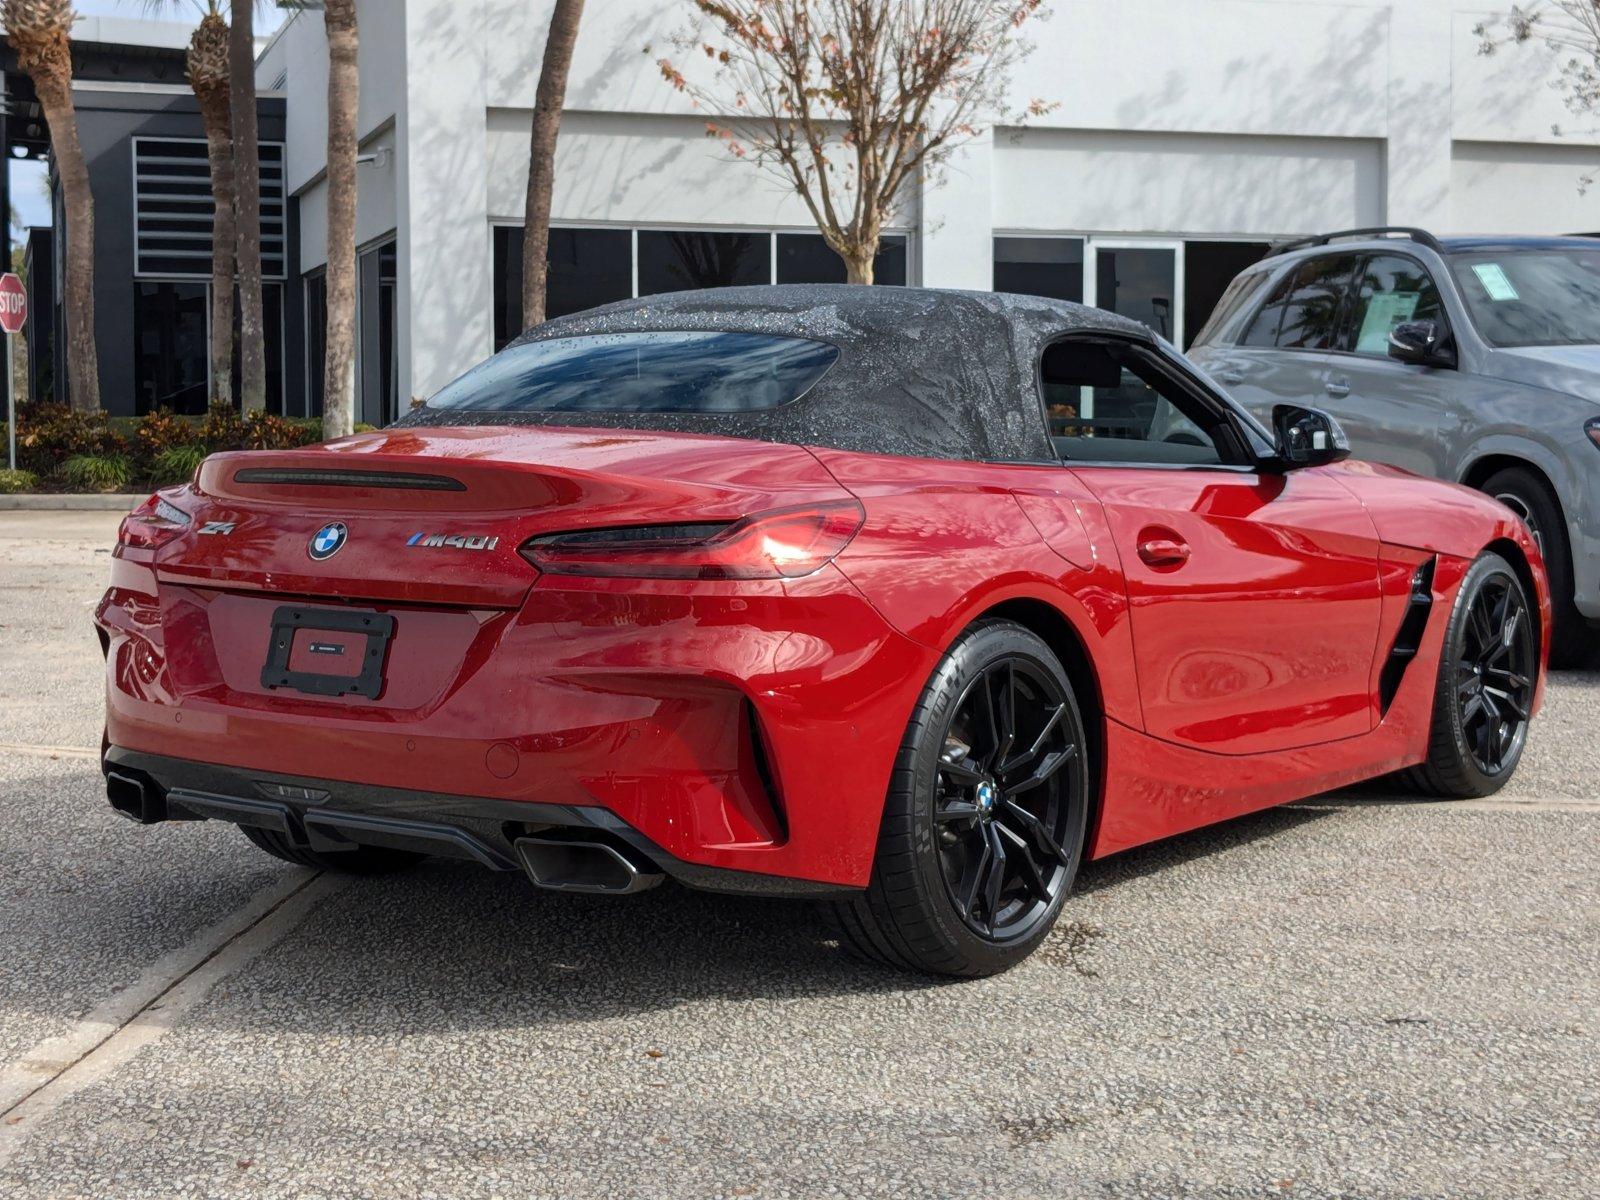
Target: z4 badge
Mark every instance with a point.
(453, 541)
(218, 528)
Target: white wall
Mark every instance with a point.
(1244, 118)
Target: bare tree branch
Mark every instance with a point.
(847, 101)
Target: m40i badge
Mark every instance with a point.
(453, 541)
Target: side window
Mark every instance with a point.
(1263, 327)
(1108, 403)
(1240, 292)
(1312, 312)
(1394, 288)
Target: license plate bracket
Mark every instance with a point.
(352, 632)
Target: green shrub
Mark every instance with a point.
(17, 481)
(97, 472)
(177, 464)
(160, 431)
(49, 434)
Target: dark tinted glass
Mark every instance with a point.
(588, 268)
(1316, 303)
(643, 372)
(805, 258)
(1211, 271)
(169, 340)
(1262, 329)
(272, 320)
(316, 340)
(1138, 282)
(1393, 289)
(1105, 405)
(676, 261)
(1533, 297)
(1050, 267)
(1240, 293)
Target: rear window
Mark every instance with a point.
(669, 372)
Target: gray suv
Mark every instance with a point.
(1470, 359)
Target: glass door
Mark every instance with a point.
(1139, 278)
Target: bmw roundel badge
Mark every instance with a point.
(325, 543)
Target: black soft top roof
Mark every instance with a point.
(921, 371)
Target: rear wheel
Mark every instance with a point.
(1527, 495)
(1488, 669)
(984, 822)
(360, 860)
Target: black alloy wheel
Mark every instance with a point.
(1000, 810)
(986, 816)
(1495, 673)
(1483, 695)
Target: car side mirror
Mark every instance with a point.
(1307, 437)
(1417, 342)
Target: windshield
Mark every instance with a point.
(1537, 297)
(642, 372)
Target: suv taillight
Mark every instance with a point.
(153, 523)
(785, 543)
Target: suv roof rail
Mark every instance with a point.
(1421, 236)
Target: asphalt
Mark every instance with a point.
(1360, 996)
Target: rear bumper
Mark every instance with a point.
(330, 815)
(749, 728)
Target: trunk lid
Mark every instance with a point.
(435, 516)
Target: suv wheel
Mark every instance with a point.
(1527, 495)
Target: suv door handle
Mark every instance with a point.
(1231, 376)
(1163, 552)
(1337, 388)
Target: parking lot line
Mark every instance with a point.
(115, 1031)
(48, 751)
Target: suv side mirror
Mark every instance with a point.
(1307, 437)
(1417, 342)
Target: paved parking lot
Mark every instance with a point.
(1358, 996)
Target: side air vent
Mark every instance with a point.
(322, 477)
(1409, 636)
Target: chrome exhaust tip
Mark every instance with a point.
(561, 865)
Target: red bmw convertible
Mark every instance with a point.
(906, 599)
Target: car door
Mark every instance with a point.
(1393, 412)
(1283, 352)
(1254, 596)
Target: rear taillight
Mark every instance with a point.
(783, 544)
(155, 521)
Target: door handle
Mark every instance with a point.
(1163, 552)
(1231, 377)
(1337, 388)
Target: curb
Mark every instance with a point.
(36, 502)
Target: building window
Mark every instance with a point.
(588, 267)
(172, 208)
(272, 321)
(682, 260)
(316, 285)
(1208, 269)
(170, 339)
(377, 379)
(805, 258)
(1040, 266)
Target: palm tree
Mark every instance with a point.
(247, 205)
(547, 104)
(40, 32)
(344, 85)
(209, 76)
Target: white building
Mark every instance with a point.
(1188, 134)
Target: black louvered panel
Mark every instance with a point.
(172, 209)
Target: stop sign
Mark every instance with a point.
(13, 303)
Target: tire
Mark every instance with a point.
(362, 860)
(1469, 753)
(940, 825)
(1527, 495)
